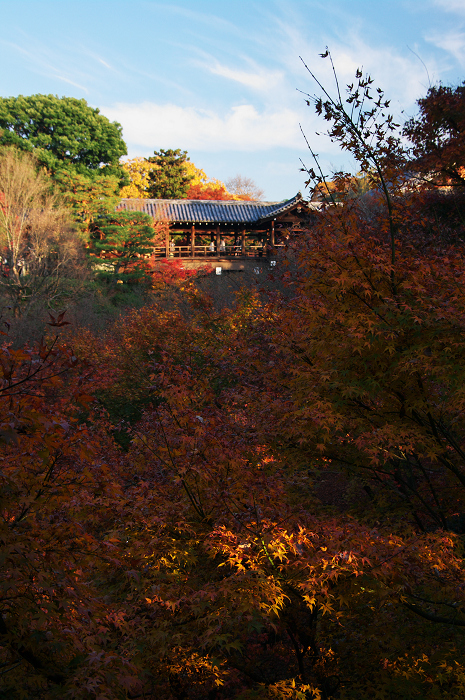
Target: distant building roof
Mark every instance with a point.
(206, 211)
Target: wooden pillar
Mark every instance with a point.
(272, 235)
(218, 238)
(243, 241)
(192, 241)
(167, 243)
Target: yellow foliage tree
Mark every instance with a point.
(138, 171)
(200, 178)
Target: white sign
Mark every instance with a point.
(218, 270)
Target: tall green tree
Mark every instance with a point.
(88, 198)
(64, 134)
(170, 180)
(121, 244)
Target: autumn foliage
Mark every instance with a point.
(263, 501)
(438, 135)
(208, 191)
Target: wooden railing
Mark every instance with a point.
(203, 251)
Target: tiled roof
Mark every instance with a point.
(203, 211)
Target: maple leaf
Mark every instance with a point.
(58, 320)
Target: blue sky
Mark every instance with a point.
(221, 79)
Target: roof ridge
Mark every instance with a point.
(220, 202)
(204, 211)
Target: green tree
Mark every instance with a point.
(88, 198)
(121, 244)
(170, 180)
(64, 133)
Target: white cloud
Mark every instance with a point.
(209, 19)
(451, 5)
(44, 61)
(354, 42)
(71, 82)
(452, 42)
(95, 56)
(258, 79)
(243, 128)
(271, 116)
(402, 77)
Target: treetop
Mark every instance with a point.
(63, 132)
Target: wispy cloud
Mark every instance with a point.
(209, 19)
(50, 63)
(399, 73)
(452, 42)
(71, 82)
(265, 123)
(104, 63)
(456, 6)
(258, 78)
(81, 66)
(84, 50)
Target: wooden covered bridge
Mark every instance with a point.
(231, 232)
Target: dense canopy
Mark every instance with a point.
(63, 133)
(239, 491)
